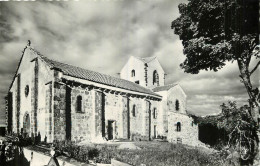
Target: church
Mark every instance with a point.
(59, 101)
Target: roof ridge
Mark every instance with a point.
(164, 87)
(168, 85)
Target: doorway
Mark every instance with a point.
(154, 134)
(110, 129)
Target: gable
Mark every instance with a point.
(175, 94)
(177, 88)
(24, 64)
(155, 62)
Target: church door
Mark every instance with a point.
(154, 134)
(110, 130)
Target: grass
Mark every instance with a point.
(155, 153)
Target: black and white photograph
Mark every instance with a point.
(129, 83)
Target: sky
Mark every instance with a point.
(102, 35)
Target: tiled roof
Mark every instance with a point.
(97, 77)
(163, 88)
(147, 59)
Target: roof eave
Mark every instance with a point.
(98, 83)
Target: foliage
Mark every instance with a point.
(238, 125)
(214, 32)
(151, 153)
(241, 129)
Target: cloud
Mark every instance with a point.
(102, 35)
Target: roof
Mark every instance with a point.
(147, 59)
(97, 77)
(163, 88)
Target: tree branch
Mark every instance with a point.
(253, 70)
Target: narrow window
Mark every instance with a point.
(177, 105)
(155, 78)
(79, 104)
(134, 111)
(137, 82)
(154, 113)
(178, 126)
(133, 73)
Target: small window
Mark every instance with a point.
(137, 82)
(133, 111)
(155, 78)
(178, 126)
(79, 104)
(154, 113)
(177, 105)
(133, 73)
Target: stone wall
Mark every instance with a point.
(125, 116)
(174, 94)
(81, 129)
(143, 72)
(137, 127)
(188, 133)
(99, 112)
(48, 113)
(156, 121)
(59, 111)
(152, 66)
(113, 112)
(137, 65)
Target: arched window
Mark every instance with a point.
(133, 111)
(154, 113)
(178, 126)
(133, 73)
(155, 78)
(79, 104)
(177, 105)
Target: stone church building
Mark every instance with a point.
(59, 101)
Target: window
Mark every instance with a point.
(137, 82)
(178, 126)
(154, 113)
(155, 78)
(79, 104)
(133, 111)
(133, 73)
(26, 90)
(177, 105)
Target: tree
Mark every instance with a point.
(216, 31)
